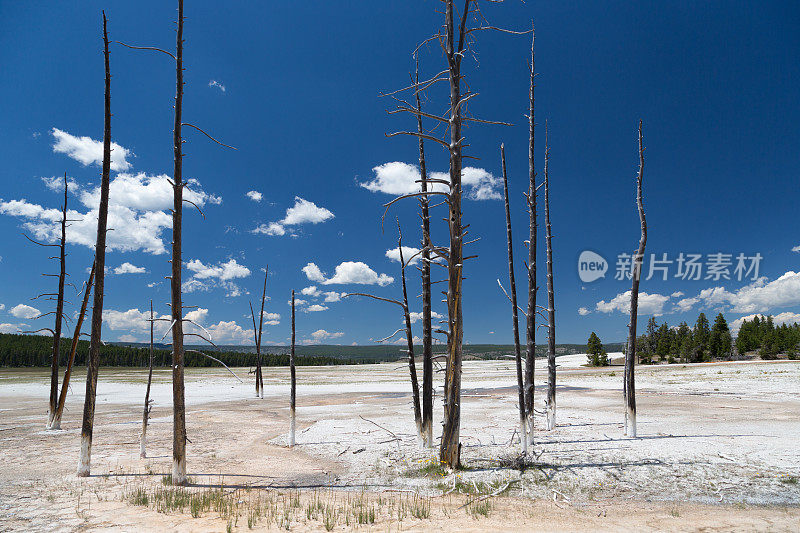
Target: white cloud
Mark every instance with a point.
(128, 338)
(315, 308)
(230, 333)
(24, 311)
(131, 320)
(757, 297)
(686, 304)
(255, 196)
(399, 178)
(781, 318)
(331, 297)
(311, 291)
(9, 328)
(322, 335)
(649, 304)
(2, 307)
(218, 85)
(297, 302)
(417, 316)
(313, 273)
(408, 251)
(676, 294)
(127, 268)
(87, 151)
(273, 228)
(302, 212)
(136, 214)
(583, 311)
(222, 271)
(796, 249)
(348, 272)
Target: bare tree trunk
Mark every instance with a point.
(259, 374)
(523, 432)
(551, 305)
(427, 326)
(530, 337)
(146, 412)
(630, 353)
(84, 467)
(412, 367)
(62, 399)
(178, 402)
(53, 406)
(292, 393)
(450, 449)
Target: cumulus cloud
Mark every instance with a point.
(408, 251)
(333, 296)
(24, 311)
(398, 178)
(649, 304)
(2, 307)
(796, 249)
(131, 320)
(322, 335)
(218, 85)
(311, 291)
(417, 316)
(208, 277)
(302, 212)
(313, 273)
(128, 268)
(781, 318)
(137, 213)
(9, 328)
(348, 272)
(255, 196)
(757, 297)
(583, 311)
(315, 308)
(87, 151)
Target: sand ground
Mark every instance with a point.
(718, 450)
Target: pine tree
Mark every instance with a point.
(700, 336)
(596, 354)
(719, 341)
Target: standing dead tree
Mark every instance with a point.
(409, 334)
(530, 323)
(293, 377)
(257, 338)
(551, 311)
(454, 38)
(425, 269)
(62, 399)
(514, 315)
(630, 353)
(84, 467)
(176, 304)
(147, 400)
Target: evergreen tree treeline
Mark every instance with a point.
(36, 351)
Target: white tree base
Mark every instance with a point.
(179, 471)
(84, 466)
(630, 425)
(551, 417)
(523, 435)
(291, 431)
(142, 444)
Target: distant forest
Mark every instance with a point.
(35, 351)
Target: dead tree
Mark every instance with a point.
(530, 337)
(293, 389)
(630, 353)
(62, 399)
(53, 406)
(93, 364)
(551, 311)
(523, 433)
(259, 375)
(425, 268)
(147, 400)
(412, 368)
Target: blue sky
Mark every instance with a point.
(296, 90)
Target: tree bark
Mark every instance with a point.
(84, 466)
(53, 405)
(412, 367)
(523, 433)
(178, 402)
(259, 375)
(292, 393)
(551, 305)
(62, 399)
(146, 412)
(427, 326)
(630, 353)
(450, 448)
(530, 337)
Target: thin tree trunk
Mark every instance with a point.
(84, 467)
(450, 448)
(146, 412)
(412, 367)
(259, 374)
(292, 393)
(53, 405)
(62, 399)
(178, 402)
(427, 326)
(630, 353)
(551, 305)
(523, 433)
(530, 337)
